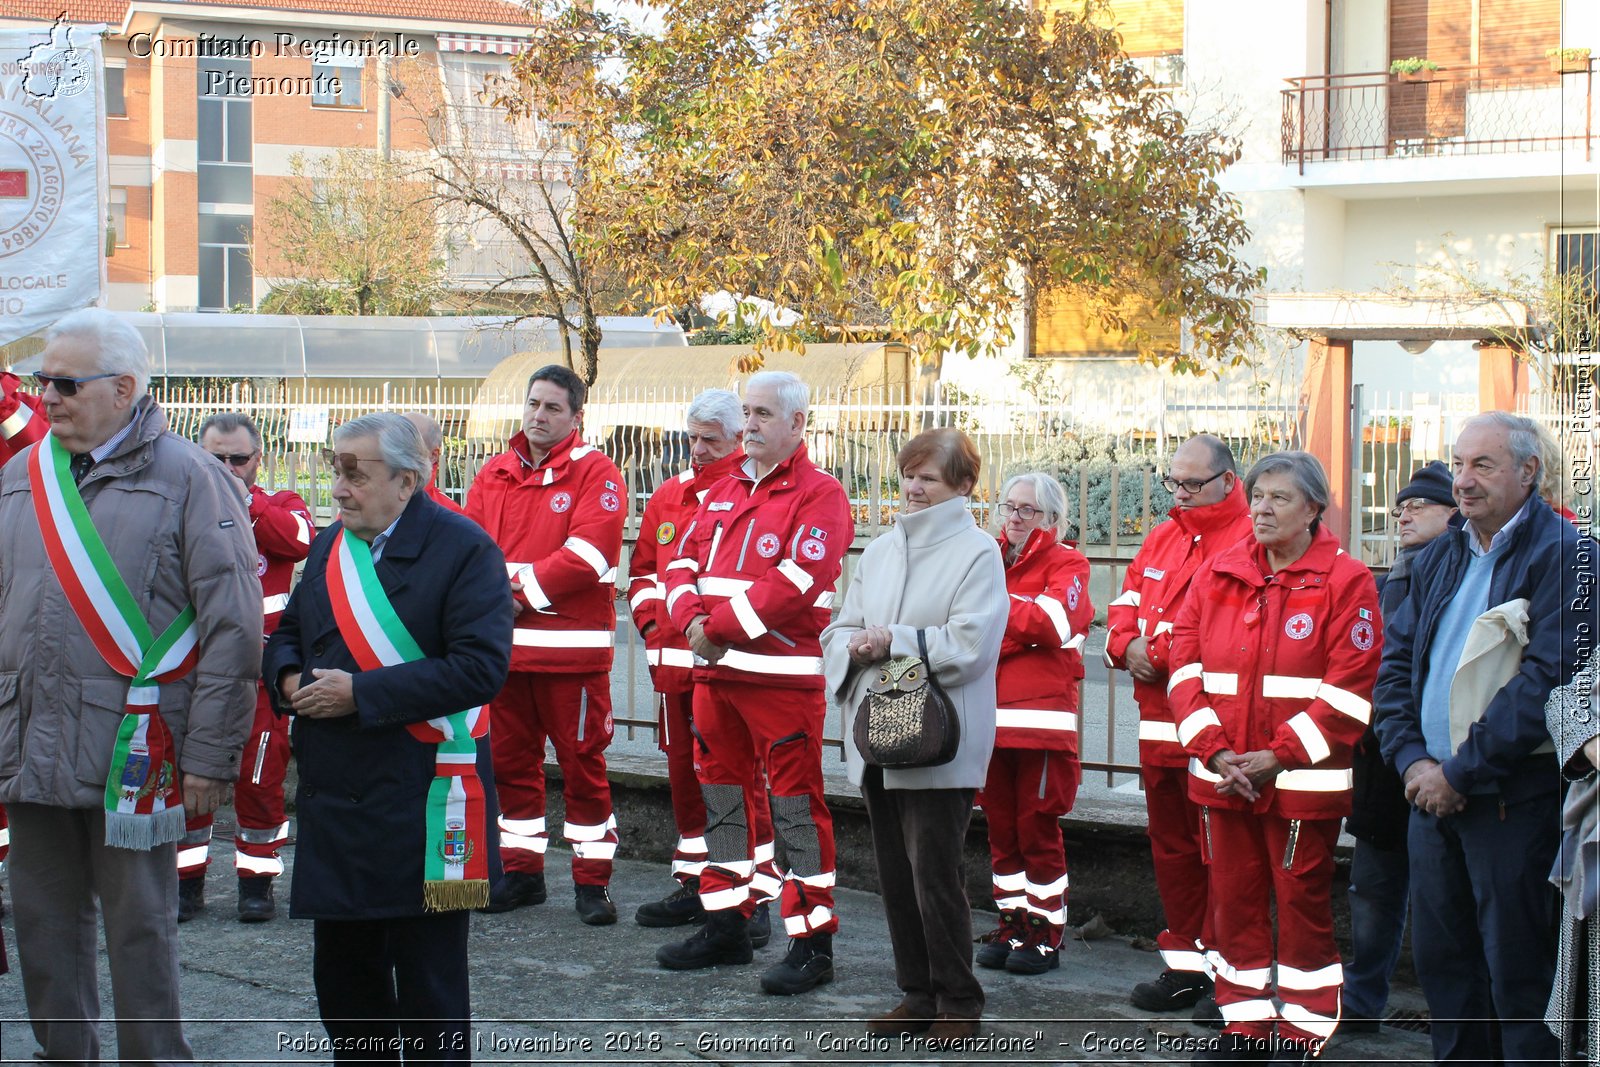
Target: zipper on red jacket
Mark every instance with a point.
(748, 530)
(716, 539)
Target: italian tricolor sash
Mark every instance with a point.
(144, 802)
(455, 860)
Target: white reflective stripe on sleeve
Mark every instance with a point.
(1249, 977)
(796, 575)
(1310, 736)
(784, 665)
(1183, 960)
(1183, 674)
(257, 865)
(588, 553)
(1315, 781)
(1309, 1021)
(645, 595)
(14, 422)
(745, 612)
(275, 602)
(684, 563)
(824, 601)
(711, 585)
(1248, 1011)
(609, 577)
(669, 657)
(1321, 978)
(1194, 722)
(1288, 687)
(302, 528)
(531, 588)
(1156, 730)
(577, 831)
(1202, 772)
(1162, 628)
(1036, 719)
(513, 568)
(563, 638)
(677, 594)
(800, 925)
(1129, 598)
(1220, 684)
(1342, 700)
(1057, 615)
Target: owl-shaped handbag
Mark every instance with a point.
(906, 719)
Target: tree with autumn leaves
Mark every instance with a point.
(911, 167)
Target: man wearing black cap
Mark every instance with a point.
(1424, 509)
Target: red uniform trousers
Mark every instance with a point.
(1027, 792)
(1181, 878)
(741, 726)
(574, 712)
(676, 738)
(262, 824)
(1248, 854)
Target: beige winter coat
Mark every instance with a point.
(175, 523)
(1489, 659)
(935, 569)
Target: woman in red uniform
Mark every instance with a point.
(1033, 774)
(1274, 656)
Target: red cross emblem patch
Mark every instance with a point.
(1298, 627)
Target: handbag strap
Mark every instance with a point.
(922, 649)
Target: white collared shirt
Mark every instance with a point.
(383, 539)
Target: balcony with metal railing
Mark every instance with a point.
(1531, 122)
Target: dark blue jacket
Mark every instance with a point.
(1550, 564)
(363, 778)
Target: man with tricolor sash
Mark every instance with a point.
(396, 638)
(130, 642)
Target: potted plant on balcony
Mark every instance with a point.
(1568, 60)
(1413, 69)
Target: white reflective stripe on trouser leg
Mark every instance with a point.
(589, 839)
(1304, 981)
(271, 835)
(5, 836)
(525, 834)
(193, 856)
(1249, 978)
(1183, 959)
(1248, 1011)
(247, 864)
(1309, 1021)
(801, 925)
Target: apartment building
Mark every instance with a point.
(208, 103)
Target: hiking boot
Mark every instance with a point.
(515, 889)
(950, 1029)
(725, 938)
(255, 900)
(761, 926)
(1171, 991)
(594, 905)
(997, 944)
(191, 898)
(1207, 1014)
(679, 908)
(1037, 953)
(808, 964)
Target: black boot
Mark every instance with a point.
(515, 889)
(996, 945)
(594, 905)
(808, 965)
(678, 909)
(191, 898)
(761, 926)
(725, 938)
(255, 900)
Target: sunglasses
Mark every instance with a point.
(347, 464)
(235, 459)
(67, 386)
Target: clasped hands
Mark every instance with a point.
(1243, 775)
(1428, 790)
(870, 645)
(702, 645)
(331, 694)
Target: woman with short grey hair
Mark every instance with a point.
(1303, 470)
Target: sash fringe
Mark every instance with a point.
(455, 895)
(144, 832)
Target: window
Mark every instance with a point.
(467, 75)
(1576, 256)
(117, 218)
(336, 81)
(116, 97)
(226, 280)
(224, 146)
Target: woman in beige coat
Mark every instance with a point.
(936, 571)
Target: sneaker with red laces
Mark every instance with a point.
(996, 945)
(1037, 953)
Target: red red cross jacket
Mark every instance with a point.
(761, 560)
(283, 529)
(560, 526)
(667, 517)
(22, 417)
(1285, 663)
(1153, 591)
(1041, 657)
(439, 496)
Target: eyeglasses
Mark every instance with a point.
(347, 464)
(1021, 511)
(1190, 485)
(1414, 505)
(235, 459)
(67, 386)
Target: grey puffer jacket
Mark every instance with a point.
(935, 571)
(176, 525)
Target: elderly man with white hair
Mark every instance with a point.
(130, 639)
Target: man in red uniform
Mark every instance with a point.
(1211, 515)
(22, 422)
(554, 506)
(433, 441)
(751, 588)
(283, 531)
